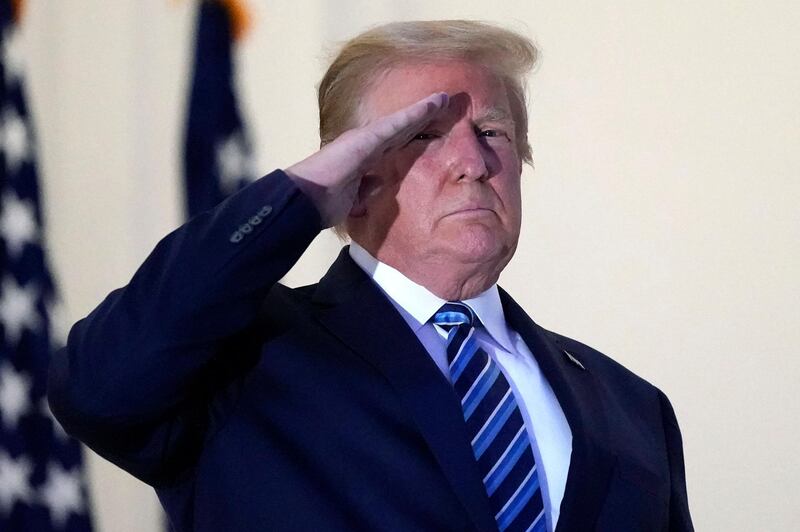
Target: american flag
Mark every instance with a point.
(42, 484)
(218, 154)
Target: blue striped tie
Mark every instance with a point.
(500, 442)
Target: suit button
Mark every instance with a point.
(265, 210)
(236, 237)
(255, 220)
(246, 228)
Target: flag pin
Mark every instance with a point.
(574, 360)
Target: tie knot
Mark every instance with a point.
(453, 314)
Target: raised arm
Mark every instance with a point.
(135, 379)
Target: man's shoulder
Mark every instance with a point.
(602, 366)
(605, 370)
(282, 298)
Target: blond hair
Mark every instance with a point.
(504, 53)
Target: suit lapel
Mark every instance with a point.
(356, 309)
(577, 391)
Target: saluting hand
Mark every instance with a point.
(331, 176)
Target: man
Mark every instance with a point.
(405, 391)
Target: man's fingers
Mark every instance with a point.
(331, 176)
(397, 126)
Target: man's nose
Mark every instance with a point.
(468, 157)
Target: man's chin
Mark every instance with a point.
(479, 249)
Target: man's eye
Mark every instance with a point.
(425, 136)
(491, 133)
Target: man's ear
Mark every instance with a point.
(369, 186)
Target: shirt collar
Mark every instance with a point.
(421, 304)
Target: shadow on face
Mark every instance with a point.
(383, 181)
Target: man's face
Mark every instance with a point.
(452, 194)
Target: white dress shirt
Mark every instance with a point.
(550, 435)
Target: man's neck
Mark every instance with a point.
(444, 278)
(417, 304)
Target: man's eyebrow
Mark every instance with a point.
(494, 114)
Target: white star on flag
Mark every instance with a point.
(13, 56)
(17, 309)
(62, 493)
(17, 223)
(14, 483)
(15, 139)
(234, 162)
(14, 395)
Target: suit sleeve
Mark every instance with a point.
(134, 378)
(679, 518)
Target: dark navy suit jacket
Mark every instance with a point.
(252, 406)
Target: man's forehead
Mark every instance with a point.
(493, 113)
(481, 112)
(470, 85)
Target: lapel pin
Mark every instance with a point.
(574, 360)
